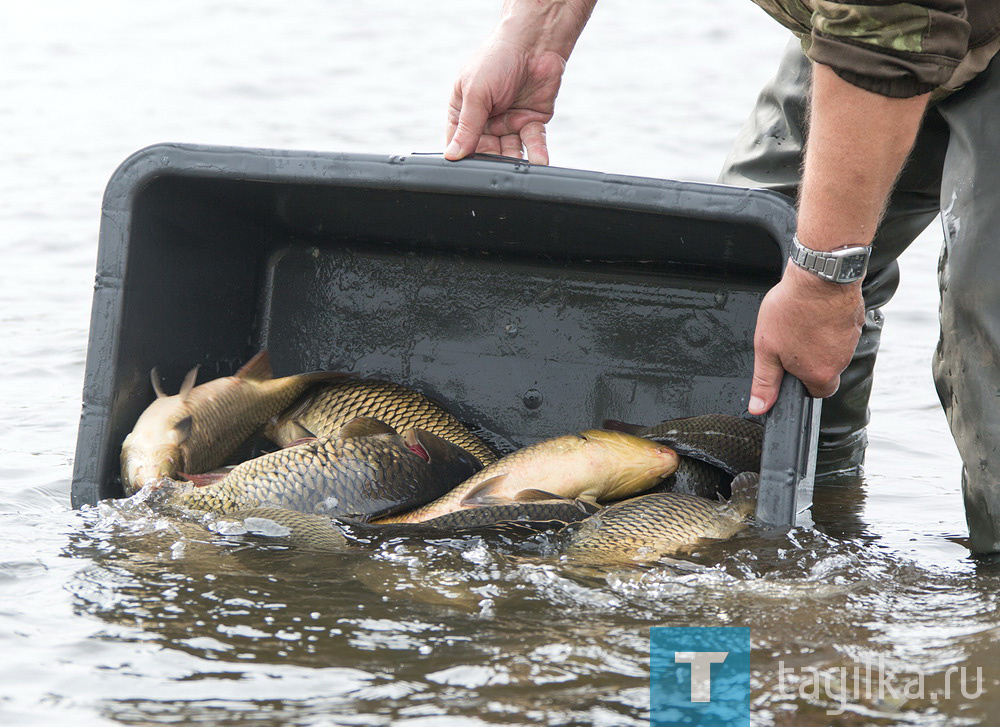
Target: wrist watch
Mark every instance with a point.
(846, 265)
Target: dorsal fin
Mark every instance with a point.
(154, 377)
(256, 369)
(188, 382)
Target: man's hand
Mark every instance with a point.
(502, 102)
(807, 327)
(507, 93)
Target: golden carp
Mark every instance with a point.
(593, 465)
(198, 428)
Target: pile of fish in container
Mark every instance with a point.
(349, 454)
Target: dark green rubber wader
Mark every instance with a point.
(953, 169)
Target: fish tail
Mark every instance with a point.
(744, 489)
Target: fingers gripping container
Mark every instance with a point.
(535, 301)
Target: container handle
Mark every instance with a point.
(497, 158)
(481, 156)
(791, 434)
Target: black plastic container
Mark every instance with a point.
(536, 301)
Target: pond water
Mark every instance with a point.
(112, 616)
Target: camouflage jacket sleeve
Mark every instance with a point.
(894, 48)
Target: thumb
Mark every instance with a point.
(767, 374)
(471, 122)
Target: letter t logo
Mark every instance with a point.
(701, 671)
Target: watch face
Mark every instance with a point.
(853, 267)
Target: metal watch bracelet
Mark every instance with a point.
(843, 266)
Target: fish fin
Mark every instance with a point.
(188, 383)
(183, 428)
(616, 426)
(744, 488)
(486, 493)
(539, 496)
(437, 449)
(300, 440)
(154, 377)
(256, 369)
(364, 427)
(298, 407)
(283, 431)
(205, 478)
(319, 377)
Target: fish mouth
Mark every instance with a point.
(667, 461)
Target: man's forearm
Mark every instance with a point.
(858, 142)
(546, 25)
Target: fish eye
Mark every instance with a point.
(583, 436)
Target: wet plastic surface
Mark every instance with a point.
(534, 301)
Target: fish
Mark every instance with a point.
(318, 532)
(648, 527)
(358, 474)
(299, 529)
(197, 429)
(733, 444)
(593, 466)
(323, 410)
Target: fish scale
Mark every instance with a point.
(325, 409)
(356, 477)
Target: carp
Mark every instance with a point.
(648, 527)
(197, 429)
(358, 474)
(325, 409)
(594, 466)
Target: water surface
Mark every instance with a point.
(115, 616)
